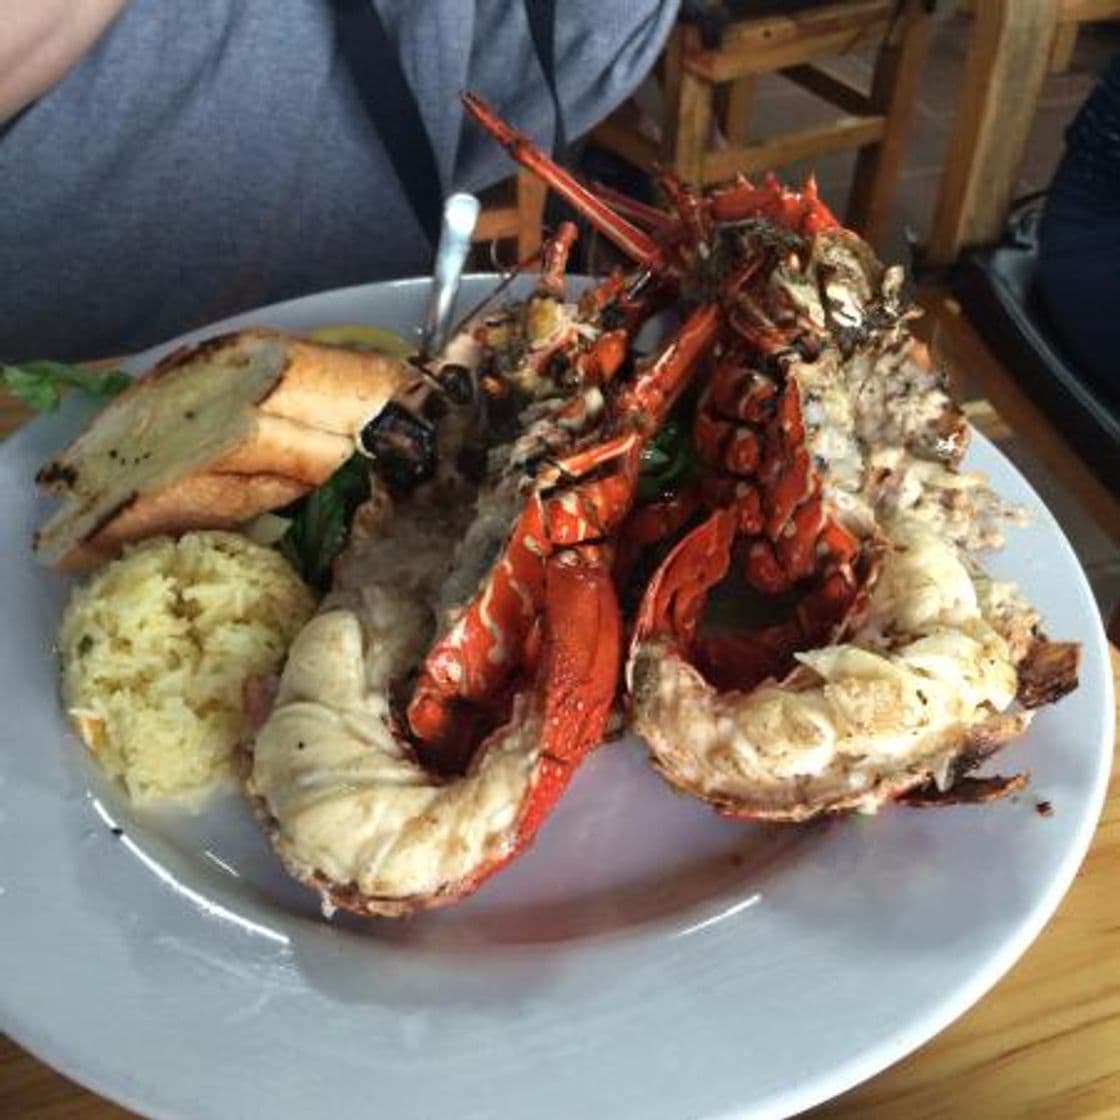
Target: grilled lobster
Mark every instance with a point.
(397, 772)
(832, 454)
(470, 655)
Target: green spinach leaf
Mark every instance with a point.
(320, 524)
(667, 463)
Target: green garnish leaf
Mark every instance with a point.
(42, 384)
(320, 524)
(667, 463)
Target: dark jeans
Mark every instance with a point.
(1079, 251)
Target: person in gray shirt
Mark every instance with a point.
(163, 165)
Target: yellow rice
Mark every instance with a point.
(155, 649)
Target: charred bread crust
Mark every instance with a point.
(200, 501)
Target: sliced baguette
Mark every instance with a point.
(200, 500)
(211, 437)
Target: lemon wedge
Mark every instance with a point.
(359, 336)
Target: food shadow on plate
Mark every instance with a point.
(623, 855)
(903, 865)
(624, 859)
(685, 872)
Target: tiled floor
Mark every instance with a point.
(781, 106)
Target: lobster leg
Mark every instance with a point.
(801, 211)
(641, 213)
(605, 357)
(634, 242)
(690, 206)
(578, 676)
(675, 599)
(648, 401)
(554, 260)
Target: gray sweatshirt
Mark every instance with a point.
(210, 156)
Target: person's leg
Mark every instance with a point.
(1079, 250)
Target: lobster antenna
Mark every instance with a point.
(504, 282)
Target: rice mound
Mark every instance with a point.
(155, 649)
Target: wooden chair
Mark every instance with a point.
(701, 85)
(993, 279)
(1072, 15)
(1010, 51)
(513, 210)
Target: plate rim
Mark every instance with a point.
(824, 1086)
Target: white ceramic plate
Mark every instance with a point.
(647, 960)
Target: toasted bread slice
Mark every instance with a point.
(211, 437)
(201, 500)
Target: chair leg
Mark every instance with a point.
(694, 126)
(1061, 53)
(894, 93)
(671, 67)
(734, 101)
(531, 194)
(1008, 53)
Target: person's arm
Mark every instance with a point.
(40, 40)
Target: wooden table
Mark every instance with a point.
(1044, 1042)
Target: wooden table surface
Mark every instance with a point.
(1045, 1042)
